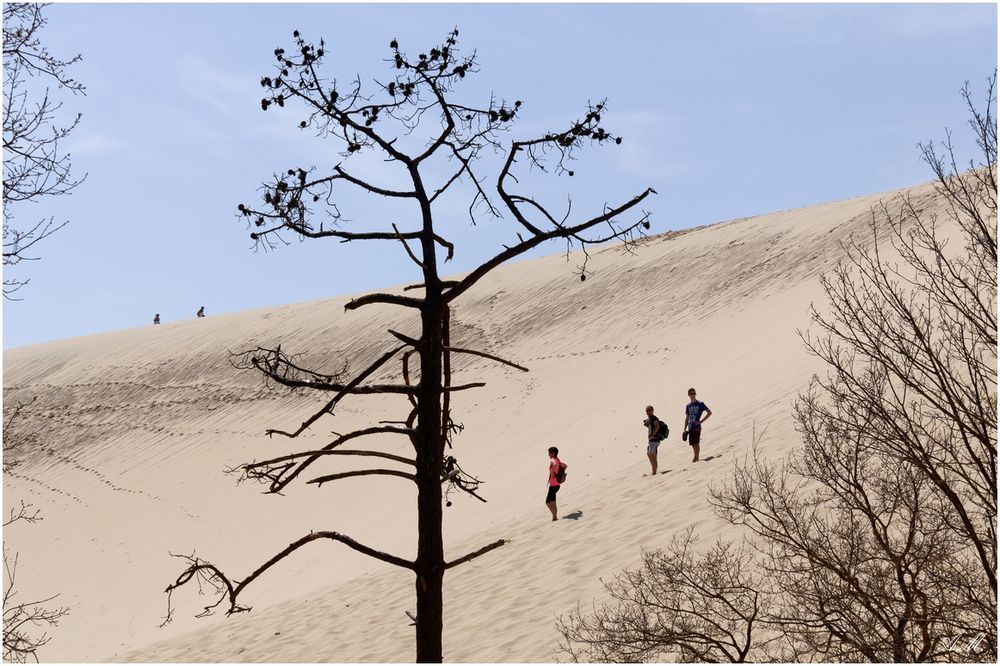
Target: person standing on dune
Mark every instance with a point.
(657, 432)
(692, 422)
(554, 466)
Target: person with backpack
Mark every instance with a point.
(658, 432)
(692, 422)
(557, 474)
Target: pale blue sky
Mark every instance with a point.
(727, 110)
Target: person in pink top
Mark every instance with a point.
(554, 463)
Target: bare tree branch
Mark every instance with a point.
(34, 166)
(328, 407)
(320, 480)
(279, 472)
(476, 553)
(389, 299)
(521, 248)
(473, 352)
(229, 590)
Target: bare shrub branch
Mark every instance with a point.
(23, 619)
(34, 166)
(679, 606)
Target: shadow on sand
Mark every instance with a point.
(576, 515)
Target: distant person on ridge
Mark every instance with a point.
(555, 465)
(201, 312)
(692, 422)
(156, 318)
(657, 432)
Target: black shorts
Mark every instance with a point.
(551, 497)
(694, 436)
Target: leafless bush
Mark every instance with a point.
(912, 355)
(854, 548)
(680, 605)
(22, 620)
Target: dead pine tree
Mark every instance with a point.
(414, 121)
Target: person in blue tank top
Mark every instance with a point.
(692, 422)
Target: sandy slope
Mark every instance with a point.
(138, 425)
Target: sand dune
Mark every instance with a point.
(137, 427)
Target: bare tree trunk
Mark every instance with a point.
(430, 544)
(430, 452)
(429, 563)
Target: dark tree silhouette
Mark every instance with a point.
(34, 165)
(410, 120)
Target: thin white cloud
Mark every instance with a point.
(215, 88)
